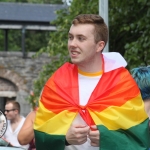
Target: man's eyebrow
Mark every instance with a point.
(80, 35)
(77, 34)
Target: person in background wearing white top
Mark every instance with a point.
(15, 122)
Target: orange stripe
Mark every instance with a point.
(122, 89)
(114, 89)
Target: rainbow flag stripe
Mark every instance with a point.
(115, 106)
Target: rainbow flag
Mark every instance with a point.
(115, 106)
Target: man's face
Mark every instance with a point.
(81, 44)
(10, 111)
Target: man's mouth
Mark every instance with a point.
(74, 53)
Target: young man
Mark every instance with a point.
(93, 103)
(142, 78)
(14, 122)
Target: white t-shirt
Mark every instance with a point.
(87, 84)
(11, 136)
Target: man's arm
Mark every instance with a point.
(26, 134)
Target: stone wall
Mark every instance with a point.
(21, 72)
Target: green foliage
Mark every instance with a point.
(138, 50)
(130, 30)
(14, 40)
(1, 40)
(35, 40)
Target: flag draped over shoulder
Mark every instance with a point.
(115, 106)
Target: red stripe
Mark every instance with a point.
(115, 88)
(62, 93)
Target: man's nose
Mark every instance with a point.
(73, 42)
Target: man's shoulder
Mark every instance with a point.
(113, 60)
(66, 68)
(64, 73)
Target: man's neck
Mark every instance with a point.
(93, 66)
(16, 119)
(15, 122)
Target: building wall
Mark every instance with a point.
(21, 72)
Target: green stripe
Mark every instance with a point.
(135, 138)
(45, 141)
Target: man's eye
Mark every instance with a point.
(70, 37)
(81, 38)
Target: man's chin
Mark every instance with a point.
(75, 61)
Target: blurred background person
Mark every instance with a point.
(15, 122)
(142, 78)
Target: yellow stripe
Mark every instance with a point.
(48, 122)
(133, 113)
(89, 73)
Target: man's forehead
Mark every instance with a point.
(81, 29)
(9, 105)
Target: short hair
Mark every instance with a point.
(101, 30)
(16, 104)
(142, 78)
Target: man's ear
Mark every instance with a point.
(100, 46)
(16, 110)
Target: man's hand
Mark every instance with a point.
(94, 136)
(77, 134)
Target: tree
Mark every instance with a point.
(129, 33)
(130, 30)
